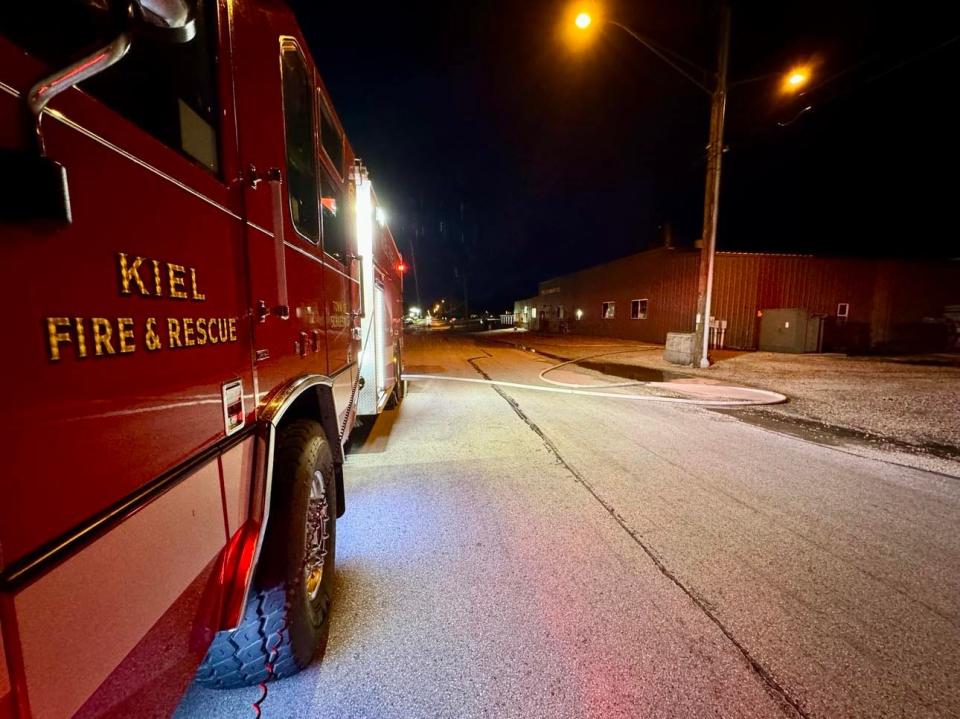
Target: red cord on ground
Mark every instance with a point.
(268, 665)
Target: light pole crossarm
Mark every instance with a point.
(640, 39)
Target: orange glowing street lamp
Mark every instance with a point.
(583, 23)
(795, 80)
(581, 20)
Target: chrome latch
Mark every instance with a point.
(254, 177)
(264, 311)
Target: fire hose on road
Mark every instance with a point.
(735, 396)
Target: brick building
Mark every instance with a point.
(865, 303)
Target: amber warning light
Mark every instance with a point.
(402, 267)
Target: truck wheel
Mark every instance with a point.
(286, 618)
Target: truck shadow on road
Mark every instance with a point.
(371, 435)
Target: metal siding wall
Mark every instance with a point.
(922, 289)
(665, 278)
(910, 293)
(817, 285)
(734, 297)
(746, 283)
(881, 294)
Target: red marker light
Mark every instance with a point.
(402, 267)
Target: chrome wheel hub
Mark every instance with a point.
(317, 536)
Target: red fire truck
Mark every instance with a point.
(200, 298)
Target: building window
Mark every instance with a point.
(638, 309)
(560, 312)
(607, 310)
(534, 313)
(843, 309)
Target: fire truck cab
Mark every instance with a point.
(201, 296)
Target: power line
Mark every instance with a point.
(923, 54)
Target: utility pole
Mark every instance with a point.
(466, 262)
(413, 261)
(417, 228)
(796, 80)
(711, 200)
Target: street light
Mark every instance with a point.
(795, 80)
(580, 23)
(718, 105)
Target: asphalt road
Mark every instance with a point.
(510, 553)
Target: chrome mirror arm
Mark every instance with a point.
(44, 193)
(52, 85)
(170, 20)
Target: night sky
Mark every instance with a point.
(508, 159)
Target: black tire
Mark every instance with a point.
(284, 623)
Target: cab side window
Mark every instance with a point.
(334, 206)
(330, 138)
(168, 90)
(298, 122)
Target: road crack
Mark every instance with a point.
(788, 704)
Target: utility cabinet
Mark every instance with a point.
(791, 330)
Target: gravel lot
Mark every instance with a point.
(913, 404)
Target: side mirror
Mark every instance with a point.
(40, 190)
(166, 21)
(36, 188)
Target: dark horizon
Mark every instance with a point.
(509, 159)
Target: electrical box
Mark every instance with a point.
(791, 330)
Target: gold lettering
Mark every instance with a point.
(233, 329)
(176, 273)
(214, 338)
(173, 332)
(151, 338)
(102, 332)
(81, 337)
(193, 281)
(188, 332)
(201, 331)
(222, 329)
(56, 336)
(125, 332)
(128, 272)
(156, 277)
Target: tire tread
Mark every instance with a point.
(239, 658)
